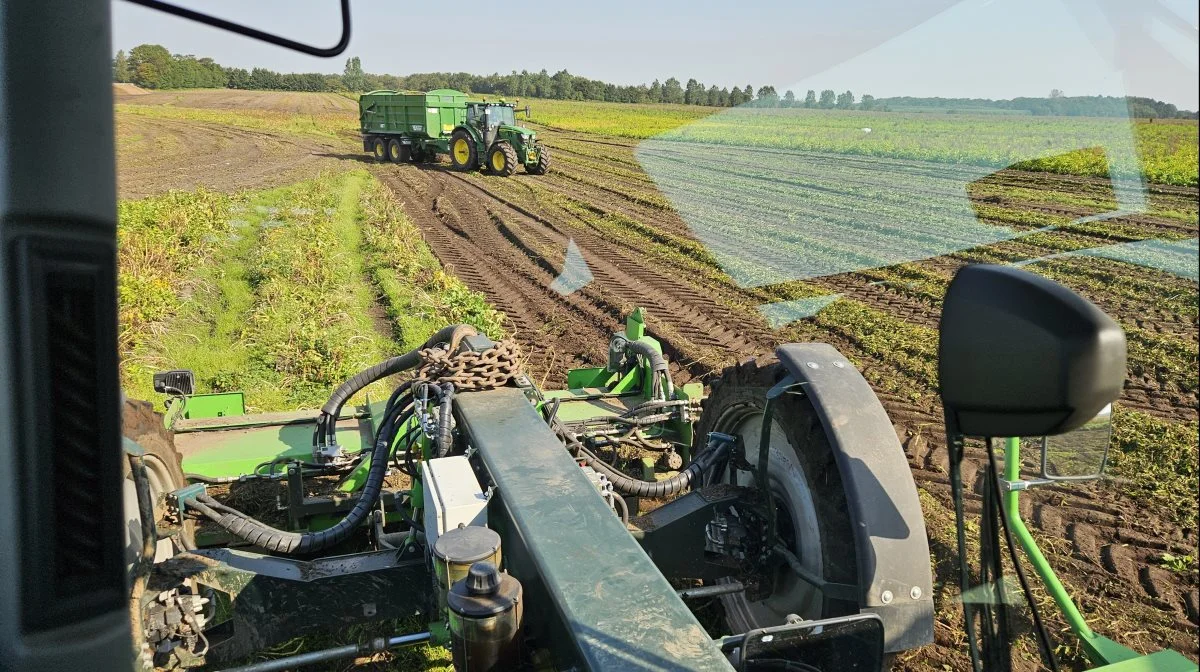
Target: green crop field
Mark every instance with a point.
(1067, 145)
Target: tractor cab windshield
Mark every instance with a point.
(493, 115)
(761, 175)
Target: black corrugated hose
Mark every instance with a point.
(658, 369)
(326, 432)
(398, 411)
(260, 534)
(635, 487)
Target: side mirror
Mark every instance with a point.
(852, 643)
(1080, 454)
(1021, 355)
(526, 111)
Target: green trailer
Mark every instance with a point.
(403, 127)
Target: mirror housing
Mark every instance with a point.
(1021, 355)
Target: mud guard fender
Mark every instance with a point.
(895, 580)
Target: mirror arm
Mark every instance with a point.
(254, 33)
(1012, 511)
(1019, 484)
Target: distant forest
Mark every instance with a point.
(152, 66)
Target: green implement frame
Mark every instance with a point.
(1101, 651)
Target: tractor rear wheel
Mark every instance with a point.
(142, 425)
(806, 490)
(543, 163)
(502, 159)
(396, 153)
(379, 149)
(463, 153)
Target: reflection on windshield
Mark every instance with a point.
(781, 194)
(1177, 257)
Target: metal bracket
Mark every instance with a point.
(178, 499)
(1011, 486)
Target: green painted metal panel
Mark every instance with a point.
(614, 604)
(216, 405)
(1161, 661)
(596, 377)
(237, 451)
(419, 115)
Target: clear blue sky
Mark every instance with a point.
(972, 48)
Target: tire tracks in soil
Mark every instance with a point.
(512, 250)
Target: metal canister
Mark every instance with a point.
(456, 550)
(485, 611)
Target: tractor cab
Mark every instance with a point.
(491, 115)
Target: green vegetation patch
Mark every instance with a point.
(419, 296)
(160, 240)
(1157, 460)
(276, 298)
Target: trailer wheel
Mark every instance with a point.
(502, 159)
(141, 424)
(543, 163)
(395, 152)
(805, 485)
(463, 153)
(379, 149)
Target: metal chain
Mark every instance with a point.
(470, 370)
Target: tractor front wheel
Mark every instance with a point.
(502, 159)
(805, 489)
(165, 473)
(543, 162)
(463, 154)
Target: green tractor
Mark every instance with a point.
(491, 138)
(403, 126)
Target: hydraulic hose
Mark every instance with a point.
(445, 438)
(638, 488)
(270, 538)
(145, 560)
(635, 487)
(452, 334)
(326, 424)
(658, 364)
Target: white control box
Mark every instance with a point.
(452, 496)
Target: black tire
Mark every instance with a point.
(543, 162)
(463, 153)
(142, 425)
(806, 485)
(395, 151)
(379, 149)
(502, 159)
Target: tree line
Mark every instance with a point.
(152, 66)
